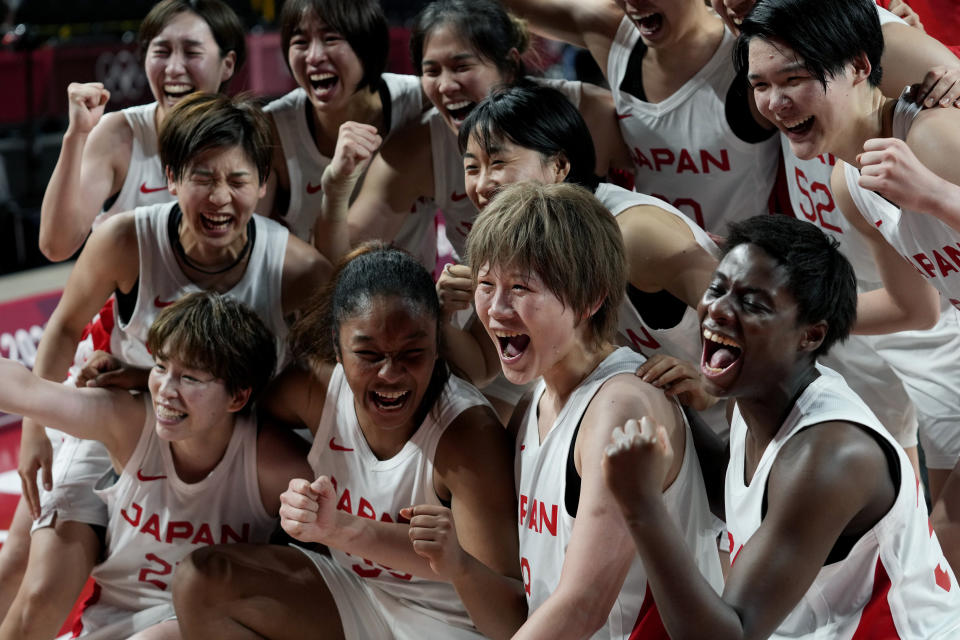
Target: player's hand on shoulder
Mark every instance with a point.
(86, 102)
(308, 509)
(434, 537)
(454, 289)
(635, 464)
(677, 378)
(939, 87)
(106, 370)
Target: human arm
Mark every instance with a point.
(590, 581)
(591, 24)
(304, 271)
(92, 414)
(109, 261)
(106, 370)
(92, 166)
(663, 254)
(906, 300)
(281, 457)
(479, 555)
(598, 111)
(399, 174)
(356, 145)
(811, 502)
(677, 378)
(468, 350)
(296, 398)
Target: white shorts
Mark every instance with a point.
(77, 465)
(369, 613)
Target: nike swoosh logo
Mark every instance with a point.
(145, 189)
(313, 189)
(160, 304)
(457, 197)
(623, 116)
(143, 478)
(337, 447)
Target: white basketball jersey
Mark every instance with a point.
(546, 527)
(305, 163)
(930, 245)
(683, 149)
(146, 182)
(377, 489)
(162, 282)
(895, 581)
(156, 519)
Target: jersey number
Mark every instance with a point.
(165, 569)
(816, 210)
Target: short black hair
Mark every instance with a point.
(490, 30)
(534, 117)
(820, 278)
(825, 34)
(227, 30)
(360, 22)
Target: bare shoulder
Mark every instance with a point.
(297, 396)
(305, 270)
(475, 432)
(407, 144)
(281, 457)
(111, 141)
(625, 396)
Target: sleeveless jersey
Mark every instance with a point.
(449, 186)
(146, 182)
(372, 488)
(156, 518)
(545, 527)
(895, 581)
(930, 245)
(808, 182)
(305, 163)
(683, 149)
(162, 282)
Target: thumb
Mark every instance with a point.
(322, 486)
(47, 474)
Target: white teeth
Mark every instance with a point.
(217, 219)
(167, 413)
(716, 337)
(506, 334)
(641, 16)
(738, 21)
(458, 105)
(795, 123)
(391, 395)
(177, 88)
(318, 77)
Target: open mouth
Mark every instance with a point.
(648, 23)
(720, 354)
(460, 110)
(798, 127)
(388, 401)
(215, 223)
(166, 414)
(323, 82)
(177, 90)
(512, 345)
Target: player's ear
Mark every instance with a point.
(861, 67)
(239, 399)
(813, 336)
(171, 181)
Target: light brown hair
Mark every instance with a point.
(561, 233)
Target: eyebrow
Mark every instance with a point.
(457, 58)
(788, 68)
(416, 335)
(190, 42)
(208, 172)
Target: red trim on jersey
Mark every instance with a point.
(89, 602)
(101, 328)
(876, 621)
(648, 625)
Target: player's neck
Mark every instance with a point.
(765, 411)
(364, 106)
(195, 457)
(875, 120)
(695, 45)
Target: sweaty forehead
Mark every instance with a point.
(748, 265)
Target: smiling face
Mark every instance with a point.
(323, 63)
(748, 318)
(388, 349)
(533, 329)
(454, 76)
(190, 402)
(217, 194)
(183, 58)
(503, 163)
(812, 118)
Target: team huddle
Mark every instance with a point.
(690, 404)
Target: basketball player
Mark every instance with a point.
(828, 527)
